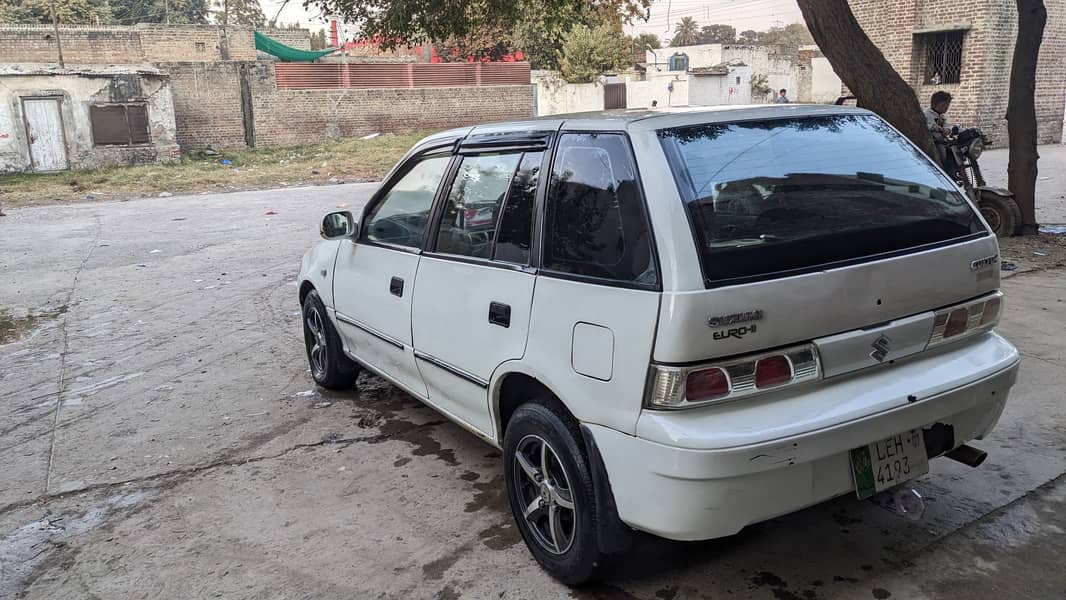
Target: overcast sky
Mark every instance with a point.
(742, 14)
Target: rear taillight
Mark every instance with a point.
(964, 320)
(707, 384)
(681, 387)
(772, 371)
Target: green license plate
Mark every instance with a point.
(888, 462)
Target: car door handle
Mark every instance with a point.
(396, 287)
(500, 314)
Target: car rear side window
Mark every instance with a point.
(515, 233)
(468, 225)
(777, 197)
(595, 221)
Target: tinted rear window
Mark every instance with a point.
(778, 197)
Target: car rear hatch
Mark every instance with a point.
(828, 230)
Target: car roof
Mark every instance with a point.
(644, 119)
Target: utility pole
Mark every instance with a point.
(166, 9)
(59, 43)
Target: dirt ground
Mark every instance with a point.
(327, 163)
(160, 437)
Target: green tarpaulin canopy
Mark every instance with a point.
(287, 53)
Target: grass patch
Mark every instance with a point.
(346, 160)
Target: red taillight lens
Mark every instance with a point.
(957, 321)
(706, 384)
(772, 370)
(991, 312)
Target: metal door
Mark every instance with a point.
(614, 96)
(44, 130)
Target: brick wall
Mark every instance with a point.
(180, 43)
(207, 104)
(297, 38)
(208, 107)
(81, 45)
(288, 117)
(136, 44)
(988, 46)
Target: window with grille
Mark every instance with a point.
(119, 124)
(943, 56)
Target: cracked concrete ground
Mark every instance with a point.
(161, 438)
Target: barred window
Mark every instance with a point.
(119, 124)
(943, 56)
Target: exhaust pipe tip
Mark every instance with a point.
(968, 455)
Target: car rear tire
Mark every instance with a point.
(1003, 214)
(550, 489)
(330, 367)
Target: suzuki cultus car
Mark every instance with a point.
(677, 323)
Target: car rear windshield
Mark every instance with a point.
(777, 197)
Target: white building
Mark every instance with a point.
(702, 75)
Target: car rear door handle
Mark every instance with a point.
(396, 287)
(500, 314)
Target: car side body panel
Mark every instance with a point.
(316, 269)
(559, 305)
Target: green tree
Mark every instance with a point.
(589, 53)
(71, 12)
(793, 34)
(129, 12)
(648, 41)
(717, 34)
(246, 13)
(686, 32)
(397, 22)
(748, 36)
(318, 40)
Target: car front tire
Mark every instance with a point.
(330, 368)
(551, 492)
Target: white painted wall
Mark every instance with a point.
(702, 55)
(642, 94)
(825, 85)
(715, 90)
(555, 96)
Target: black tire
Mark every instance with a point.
(330, 367)
(575, 559)
(1002, 213)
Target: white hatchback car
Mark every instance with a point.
(679, 323)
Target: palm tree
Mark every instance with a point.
(686, 33)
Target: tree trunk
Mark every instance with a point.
(1021, 111)
(861, 66)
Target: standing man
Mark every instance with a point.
(781, 97)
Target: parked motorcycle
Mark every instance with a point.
(997, 205)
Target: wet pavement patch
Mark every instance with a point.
(436, 569)
(13, 327)
(500, 537)
(490, 494)
(779, 588)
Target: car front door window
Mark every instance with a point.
(400, 218)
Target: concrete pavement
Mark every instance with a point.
(1050, 181)
(162, 439)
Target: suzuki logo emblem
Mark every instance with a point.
(881, 347)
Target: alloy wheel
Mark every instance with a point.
(546, 494)
(315, 338)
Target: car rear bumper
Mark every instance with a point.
(688, 487)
